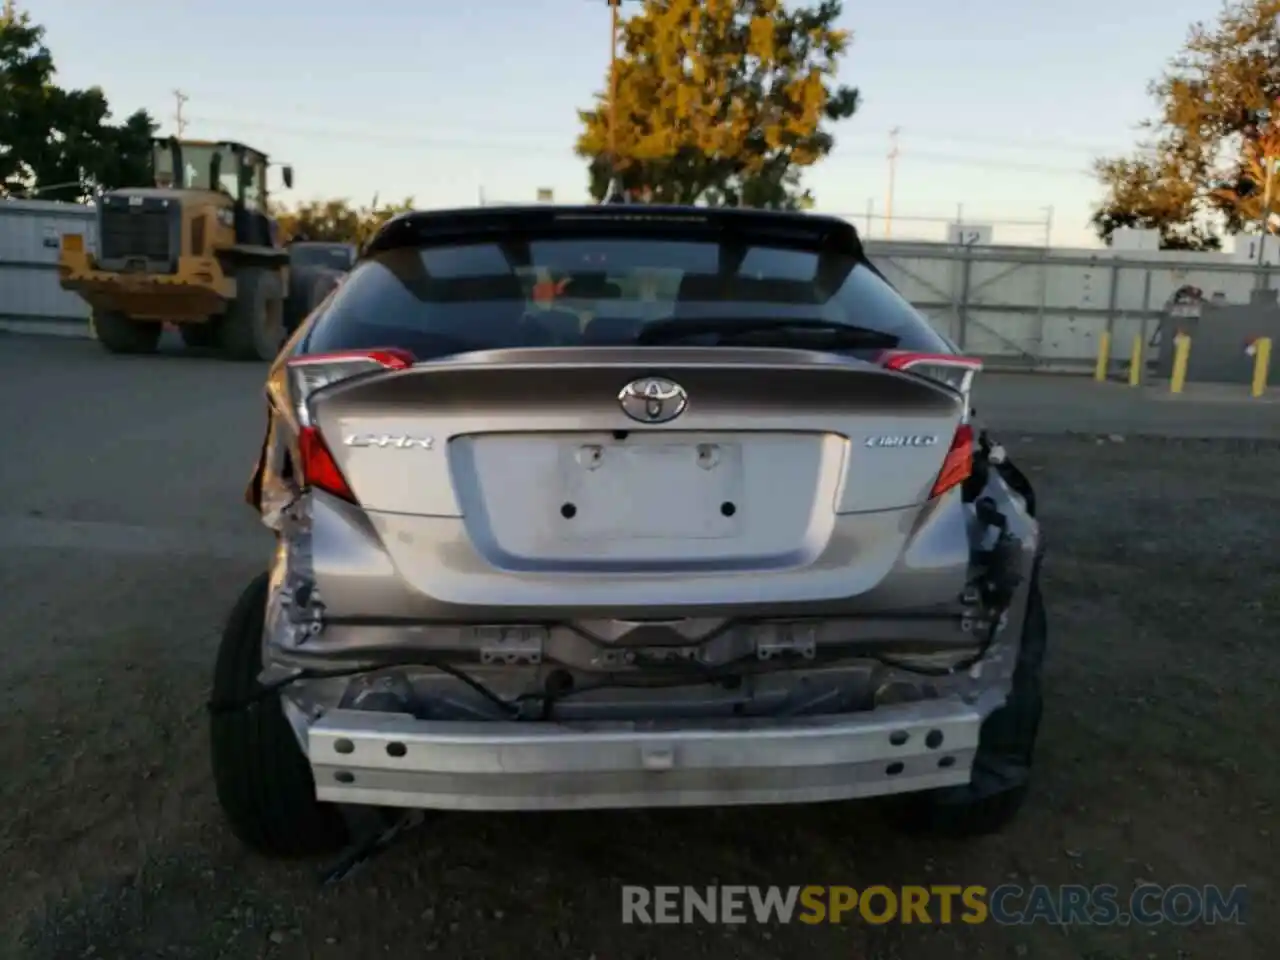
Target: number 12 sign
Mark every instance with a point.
(969, 234)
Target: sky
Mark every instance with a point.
(1001, 104)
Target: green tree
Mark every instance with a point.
(1201, 174)
(337, 220)
(55, 143)
(720, 101)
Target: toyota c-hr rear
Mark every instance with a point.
(627, 506)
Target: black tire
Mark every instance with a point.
(297, 303)
(322, 287)
(253, 328)
(200, 336)
(263, 780)
(118, 334)
(1006, 747)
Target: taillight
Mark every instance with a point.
(949, 369)
(319, 470)
(958, 464)
(309, 374)
(958, 373)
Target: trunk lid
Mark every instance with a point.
(534, 452)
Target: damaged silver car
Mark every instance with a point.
(627, 506)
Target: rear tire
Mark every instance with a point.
(263, 779)
(1006, 746)
(200, 336)
(118, 334)
(295, 305)
(253, 328)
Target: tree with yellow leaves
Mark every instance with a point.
(721, 102)
(1204, 172)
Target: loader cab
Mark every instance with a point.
(235, 171)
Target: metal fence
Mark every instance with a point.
(1036, 308)
(1025, 307)
(914, 228)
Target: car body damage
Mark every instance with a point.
(572, 575)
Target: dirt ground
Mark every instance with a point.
(123, 545)
(1158, 764)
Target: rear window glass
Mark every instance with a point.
(438, 301)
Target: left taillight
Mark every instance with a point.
(306, 376)
(957, 373)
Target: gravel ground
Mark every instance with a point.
(122, 547)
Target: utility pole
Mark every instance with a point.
(10, 12)
(893, 169)
(613, 79)
(1268, 144)
(1264, 227)
(180, 99)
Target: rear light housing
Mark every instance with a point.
(957, 466)
(309, 374)
(957, 373)
(949, 369)
(306, 376)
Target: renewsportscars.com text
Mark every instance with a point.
(1008, 904)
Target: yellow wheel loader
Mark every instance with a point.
(196, 250)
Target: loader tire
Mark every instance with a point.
(253, 328)
(263, 779)
(200, 336)
(1002, 764)
(118, 334)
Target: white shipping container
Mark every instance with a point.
(29, 238)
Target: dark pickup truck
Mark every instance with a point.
(315, 267)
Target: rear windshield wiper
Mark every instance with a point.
(770, 330)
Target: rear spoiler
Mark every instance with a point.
(725, 225)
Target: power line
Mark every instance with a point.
(1029, 143)
(411, 141)
(961, 160)
(976, 137)
(997, 141)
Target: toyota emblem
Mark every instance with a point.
(653, 400)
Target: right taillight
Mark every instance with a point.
(958, 373)
(306, 375)
(949, 369)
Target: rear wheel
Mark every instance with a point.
(322, 288)
(253, 328)
(118, 334)
(263, 779)
(295, 305)
(200, 336)
(1002, 766)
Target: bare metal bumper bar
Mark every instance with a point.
(391, 759)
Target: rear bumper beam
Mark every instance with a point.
(394, 760)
